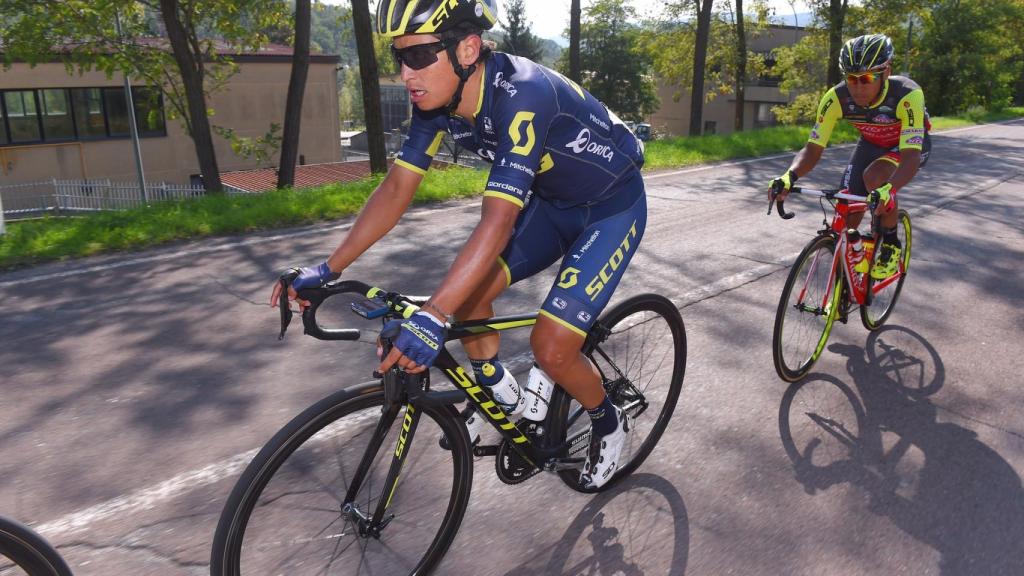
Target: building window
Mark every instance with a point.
(765, 116)
(117, 112)
(710, 126)
(88, 106)
(57, 121)
(22, 115)
(149, 111)
(67, 114)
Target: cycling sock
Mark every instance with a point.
(488, 372)
(603, 419)
(889, 236)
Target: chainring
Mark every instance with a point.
(510, 466)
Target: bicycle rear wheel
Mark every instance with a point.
(642, 362)
(285, 514)
(884, 299)
(25, 552)
(804, 317)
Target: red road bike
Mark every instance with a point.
(824, 284)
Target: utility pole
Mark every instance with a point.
(132, 123)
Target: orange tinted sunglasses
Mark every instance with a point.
(862, 78)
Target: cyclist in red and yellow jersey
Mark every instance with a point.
(890, 114)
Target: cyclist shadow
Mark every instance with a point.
(625, 531)
(934, 480)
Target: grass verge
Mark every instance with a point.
(36, 241)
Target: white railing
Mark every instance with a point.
(76, 196)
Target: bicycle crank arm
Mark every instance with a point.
(556, 464)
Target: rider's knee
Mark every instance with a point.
(550, 353)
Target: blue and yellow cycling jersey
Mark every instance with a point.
(542, 133)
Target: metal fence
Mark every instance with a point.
(65, 197)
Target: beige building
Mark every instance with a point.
(673, 118)
(56, 125)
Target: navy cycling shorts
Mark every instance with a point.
(597, 242)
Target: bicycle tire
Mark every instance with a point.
(644, 329)
(874, 316)
(24, 549)
(294, 459)
(801, 331)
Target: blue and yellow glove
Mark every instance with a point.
(314, 277)
(419, 338)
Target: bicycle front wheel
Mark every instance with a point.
(885, 292)
(288, 513)
(807, 309)
(24, 552)
(642, 362)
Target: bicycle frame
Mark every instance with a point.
(413, 390)
(861, 289)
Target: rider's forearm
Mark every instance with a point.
(477, 257)
(910, 161)
(380, 214)
(806, 159)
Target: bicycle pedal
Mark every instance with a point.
(488, 450)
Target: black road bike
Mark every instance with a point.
(359, 484)
(23, 551)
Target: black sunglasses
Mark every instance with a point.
(418, 56)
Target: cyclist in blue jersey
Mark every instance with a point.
(564, 184)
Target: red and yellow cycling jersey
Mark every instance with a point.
(897, 118)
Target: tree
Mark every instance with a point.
(671, 43)
(82, 34)
(741, 67)
(971, 54)
(574, 41)
(296, 90)
(518, 38)
(612, 65)
(370, 83)
(700, 54)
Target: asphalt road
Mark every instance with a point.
(136, 387)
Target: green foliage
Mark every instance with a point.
(262, 149)
(971, 54)
(518, 39)
(83, 35)
(690, 150)
(671, 43)
(34, 241)
(614, 68)
(803, 70)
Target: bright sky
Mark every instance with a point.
(550, 18)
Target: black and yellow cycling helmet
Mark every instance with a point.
(865, 53)
(400, 17)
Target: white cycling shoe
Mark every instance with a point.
(604, 453)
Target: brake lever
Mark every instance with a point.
(282, 301)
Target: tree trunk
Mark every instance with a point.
(741, 67)
(371, 85)
(296, 91)
(700, 56)
(574, 41)
(190, 62)
(836, 16)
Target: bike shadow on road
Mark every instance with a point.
(639, 528)
(879, 431)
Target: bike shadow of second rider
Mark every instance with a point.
(564, 183)
(890, 114)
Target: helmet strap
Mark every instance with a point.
(462, 73)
